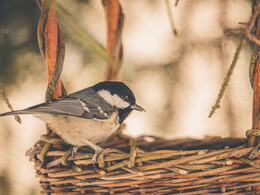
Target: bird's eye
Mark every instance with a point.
(125, 97)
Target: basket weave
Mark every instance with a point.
(154, 165)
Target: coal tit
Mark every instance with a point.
(88, 116)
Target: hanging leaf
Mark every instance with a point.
(52, 47)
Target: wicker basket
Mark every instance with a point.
(154, 165)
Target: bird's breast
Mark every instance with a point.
(76, 130)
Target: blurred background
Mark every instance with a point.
(175, 78)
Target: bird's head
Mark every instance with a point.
(119, 95)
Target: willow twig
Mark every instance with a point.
(228, 154)
(250, 162)
(250, 25)
(161, 171)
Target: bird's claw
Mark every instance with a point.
(95, 156)
(74, 151)
(97, 149)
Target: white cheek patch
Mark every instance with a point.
(119, 102)
(114, 100)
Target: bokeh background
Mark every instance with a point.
(175, 78)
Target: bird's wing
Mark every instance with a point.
(71, 105)
(75, 107)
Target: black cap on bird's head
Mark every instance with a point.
(117, 94)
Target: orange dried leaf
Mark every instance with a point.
(51, 46)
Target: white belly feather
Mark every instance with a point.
(76, 130)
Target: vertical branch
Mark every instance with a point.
(256, 89)
(115, 19)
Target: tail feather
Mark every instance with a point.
(39, 108)
(16, 112)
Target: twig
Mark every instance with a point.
(247, 27)
(251, 37)
(228, 77)
(233, 152)
(234, 32)
(250, 162)
(6, 100)
(250, 25)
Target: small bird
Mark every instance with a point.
(88, 116)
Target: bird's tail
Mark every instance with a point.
(39, 108)
(16, 112)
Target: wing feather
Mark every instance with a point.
(84, 105)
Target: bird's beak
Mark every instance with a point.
(136, 107)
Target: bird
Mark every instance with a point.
(88, 116)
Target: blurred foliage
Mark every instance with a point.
(18, 37)
(5, 184)
(18, 21)
(78, 34)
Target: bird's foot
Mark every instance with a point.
(74, 150)
(95, 156)
(97, 149)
